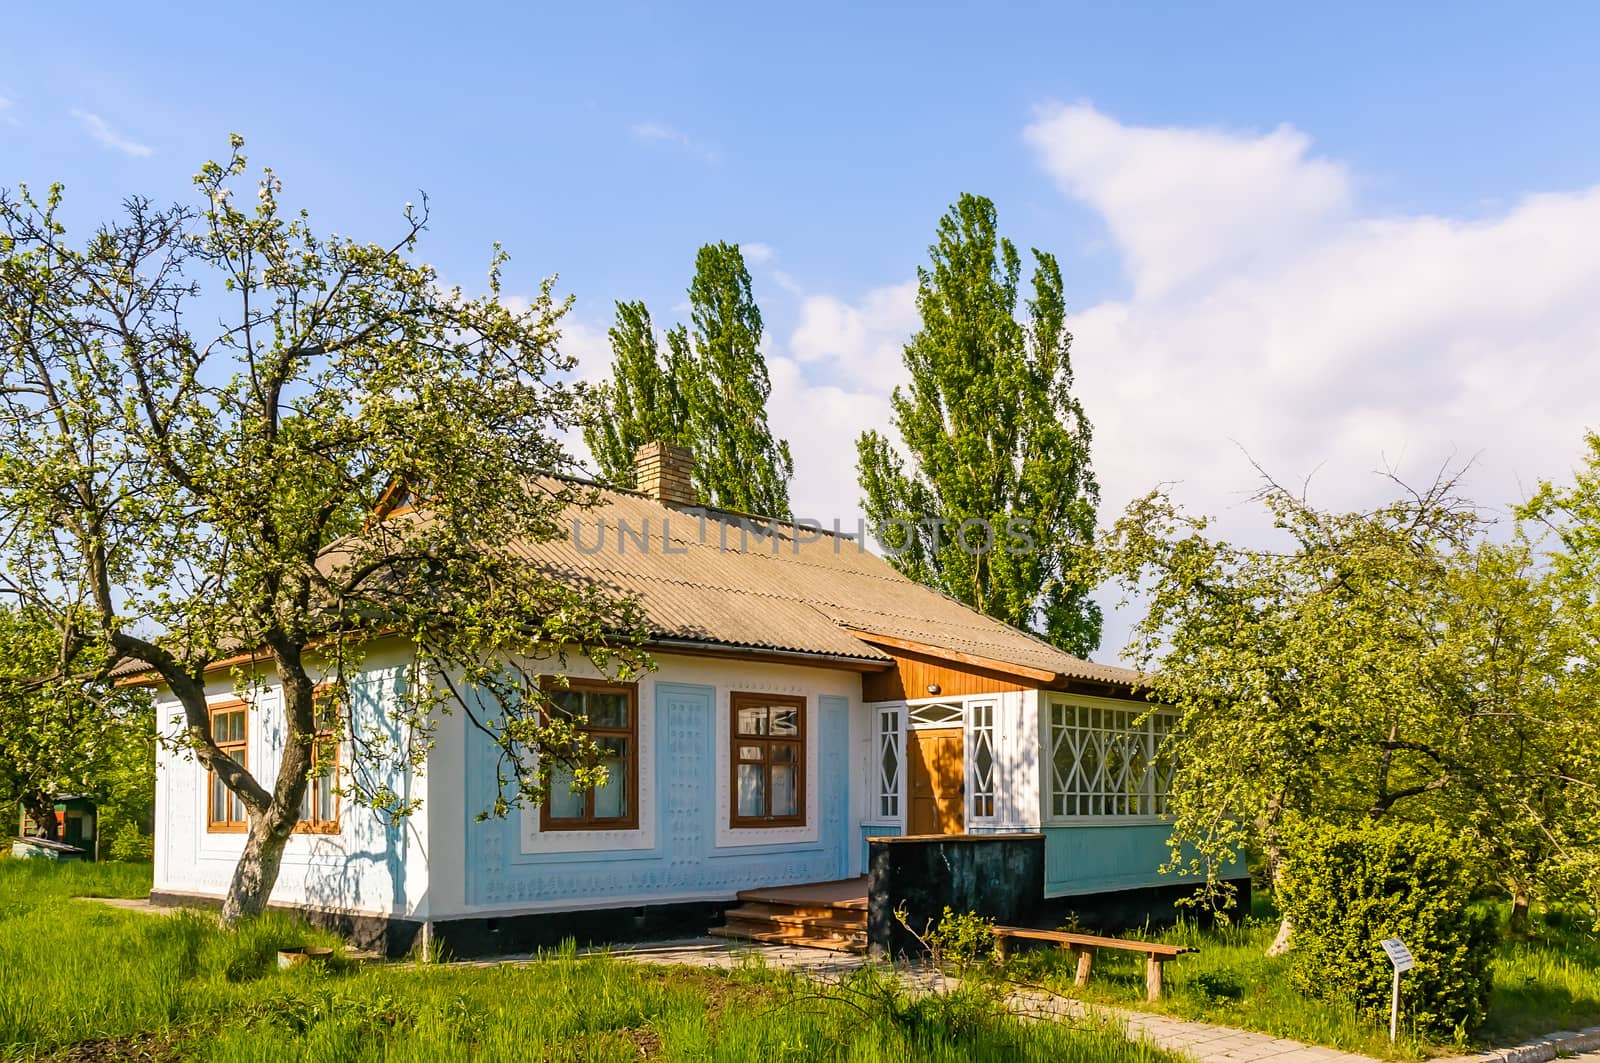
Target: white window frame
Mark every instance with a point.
(976, 730)
(914, 724)
(1155, 724)
(889, 733)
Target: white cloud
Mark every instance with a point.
(1269, 312)
(1260, 195)
(7, 107)
(102, 132)
(757, 253)
(821, 422)
(861, 342)
(665, 134)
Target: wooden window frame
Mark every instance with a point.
(322, 738)
(736, 701)
(592, 822)
(227, 826)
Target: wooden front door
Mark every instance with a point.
(937, 779)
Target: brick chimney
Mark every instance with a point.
(664, 472)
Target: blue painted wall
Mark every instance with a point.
(869, 831)
(685, 862)
(1085, 859)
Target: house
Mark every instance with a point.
(807, 698)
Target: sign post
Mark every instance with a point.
(1402, 959)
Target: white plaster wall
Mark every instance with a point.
(368, 867)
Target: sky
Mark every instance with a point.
(1330, 242)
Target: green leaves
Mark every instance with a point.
(1391, 663)
(708, 393)
(1345, 889)
(180, 490)
(991, 434)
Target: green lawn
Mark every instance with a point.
(1549, 982)
(82, 982)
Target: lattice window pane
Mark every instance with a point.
(983, 761)
(936, 714)
(889, 762)
(1107, 761)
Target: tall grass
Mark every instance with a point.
(73, 971)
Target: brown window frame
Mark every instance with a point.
(742, 699)
(227, 826)
(591, 822)
(322, 738)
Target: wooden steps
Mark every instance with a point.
(822, 915)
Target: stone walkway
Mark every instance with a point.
(1200, 1041)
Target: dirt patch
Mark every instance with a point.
(648, 1042)
(148, 1047)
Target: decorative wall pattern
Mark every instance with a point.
(684, 862)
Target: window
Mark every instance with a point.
(1105, 764)
(983, 760)
(228, 731)
(319, 809)
(889, 762)
(936, 714)
(608, 713)
(769, 761)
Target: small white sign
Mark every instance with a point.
(1399, 955)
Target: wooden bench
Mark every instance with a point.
(1086, 945)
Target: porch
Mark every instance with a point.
(820, 915)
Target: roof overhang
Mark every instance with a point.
(695, 648)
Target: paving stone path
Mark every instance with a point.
(1200, 1041)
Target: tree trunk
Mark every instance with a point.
(41, 808)
(1284, 940)
(257, 870)
(1520, 903)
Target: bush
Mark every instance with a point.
(1344, 889)
(962, 941)
(127, 843)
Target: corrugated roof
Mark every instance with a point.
(727, 579)
(718, 577)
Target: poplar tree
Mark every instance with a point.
(708, 392)
(642, 402)
(990, 498)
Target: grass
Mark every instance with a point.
(1548, 982)
(81, 981)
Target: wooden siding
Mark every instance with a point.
(913, 673)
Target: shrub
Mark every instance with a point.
(963, 941)
(125, 842)
(1344, 889)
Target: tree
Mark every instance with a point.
(1570, 513)
(708, 393)
(994, 502)
(182, 498)
(1391, 663)
(642, 403)
(61, 730)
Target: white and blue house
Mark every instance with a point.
(806, 698)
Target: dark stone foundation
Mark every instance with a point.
(498, 935)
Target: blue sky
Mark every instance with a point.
(1332, 238)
